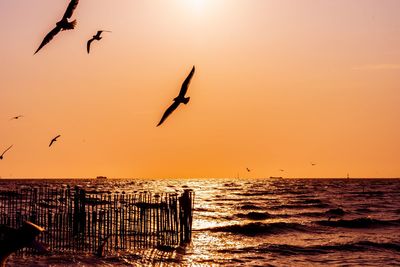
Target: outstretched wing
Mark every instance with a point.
(53, 140)
(168, 112)
(70, 9)
(88, 45)
(49, 37)
(6, 150)
(186, 83)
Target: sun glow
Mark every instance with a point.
(196, 5)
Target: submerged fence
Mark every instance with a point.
(80, 221)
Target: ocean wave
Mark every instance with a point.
(308, 201)
(290, 250)
(258, 228)
(255, 215)
(250, 207)
(255, 193)
(331, 213)
(359, 223)
(364, 210)
(300, 206)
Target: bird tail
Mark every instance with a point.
(71, 25)
(186, 100)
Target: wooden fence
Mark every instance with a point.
(79, 221)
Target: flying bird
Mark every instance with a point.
(313, 164)
(95, 37)
(16, 117)
(62, 25)
(180, 98)
(1, 156)
(282, 170)
(13, 239)
(248, 169)
(53, 140)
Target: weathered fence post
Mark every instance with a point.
(185, 202)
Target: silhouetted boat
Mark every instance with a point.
(101, 178)
(275, 177)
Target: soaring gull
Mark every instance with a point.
(1, 156)
(16, 117)
(96, 37)
(53, 140)
(62, 25)
(180, 98)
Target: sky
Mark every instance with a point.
(279, 84)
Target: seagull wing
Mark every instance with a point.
(88, 45)
(49, 37)
(70, 9)
(6, 150)
(168, 112)
(53, 140)
(186, 83)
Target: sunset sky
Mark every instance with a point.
(278, 84)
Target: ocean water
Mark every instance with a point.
(262, 222)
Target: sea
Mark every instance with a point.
(261, 222)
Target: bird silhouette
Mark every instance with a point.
(62, 25)
(313, 164)
(248, 169)
(95, 37)
(16, 117)
(1, 156)
(13, 239)
(282, 170)
(53, 140)
(180, 98)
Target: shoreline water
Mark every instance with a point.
(265, 222)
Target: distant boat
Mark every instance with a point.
(275, 177)
(101, 178)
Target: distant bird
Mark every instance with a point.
(62, 25)
(95, 37)
(282, 170)
(180, 98)
(16, 117)
(12, 240)
(1, 156)
(53, 140)
(248, 169)
(313, 164)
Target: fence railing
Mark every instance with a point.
(79, 221)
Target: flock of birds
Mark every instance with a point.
(65, 24)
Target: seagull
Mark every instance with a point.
(282, 170)
(62, 25)
(16, 117)
(95, 37)
(1, 156)
(53, 140)
(180, 98)
(248, 169)
(13, 240)
(313, 164)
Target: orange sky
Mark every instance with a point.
(278, 84)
